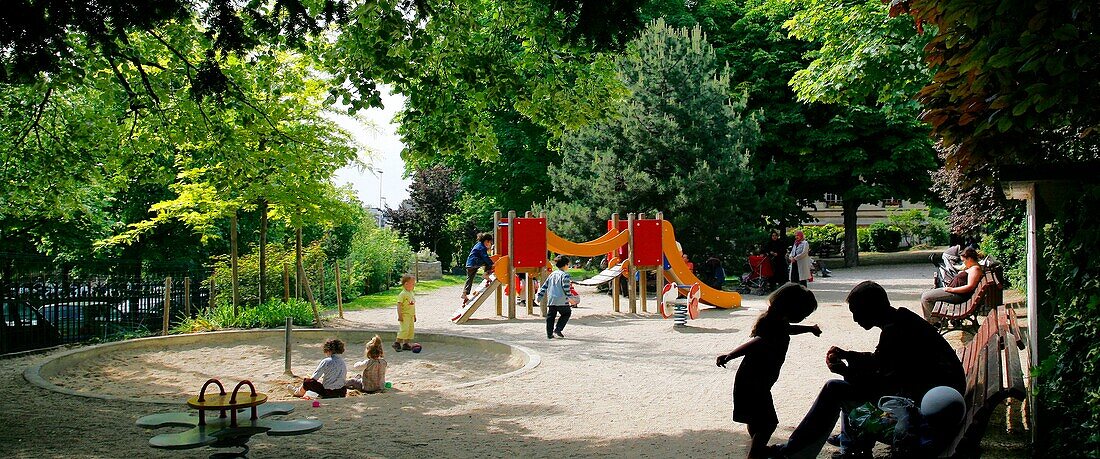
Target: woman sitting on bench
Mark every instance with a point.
(960, 289)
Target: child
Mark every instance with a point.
(556, 290)
(479, 256)
(373, 379)
(764, 355)
(331, 375)
(406, 313)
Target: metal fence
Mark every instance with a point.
(39, 314)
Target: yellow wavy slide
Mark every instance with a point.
(602, 245)
(679, 272)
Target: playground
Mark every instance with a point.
(619, 385)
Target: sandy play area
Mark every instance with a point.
(177, 372)
(619, 385)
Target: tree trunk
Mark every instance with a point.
(305, 282)
(233, 260)
(851, 241)
(263, 250)
(297, 262)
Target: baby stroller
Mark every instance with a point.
(757, 280)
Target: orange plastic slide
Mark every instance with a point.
(602, 245)
(679, 272)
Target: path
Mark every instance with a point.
(619, 385)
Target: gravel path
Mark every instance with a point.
(620, 385)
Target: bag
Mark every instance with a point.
(959, 280)
(894, 421)
(573, 297)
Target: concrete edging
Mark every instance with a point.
(37, 374)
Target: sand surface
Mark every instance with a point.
(177, 373)
(620, 385)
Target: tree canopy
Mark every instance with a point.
(677, 144)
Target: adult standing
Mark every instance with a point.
(959, 289)
(776, 250)
(911, 358)
(799, 257)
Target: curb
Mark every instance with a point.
(37, 374)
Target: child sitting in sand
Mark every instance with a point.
(373, 379)
(331, 375)
(764, 355)
(406, 313)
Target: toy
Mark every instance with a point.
(682, 308)
(416, 348)
(223, 432)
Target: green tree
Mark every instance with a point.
(423, 216)
(678, 144)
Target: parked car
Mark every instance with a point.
(24, 328)
(81, 321)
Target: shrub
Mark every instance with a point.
(1070, 300)
(918, 226)
(319, 271)
(863, 237)
(884, 238)
(379, 256)
(1006, 240)
(823, 239)
(272, 314)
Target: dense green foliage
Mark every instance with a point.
(377, 259)
(920, 226)
(272, 314)
(882, 237)
(824, 240)
(678, 144)
(422, 218)
(1015, 81)
(1070, 367)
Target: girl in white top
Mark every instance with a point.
(331, 375)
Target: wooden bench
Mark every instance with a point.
(994, 374)
(964, 316)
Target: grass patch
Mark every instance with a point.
(389, 297)
(579, 274)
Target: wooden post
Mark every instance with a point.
(263, 250)
(286, 347)
(642, 274)
(298, 263)
(496, 251)
(616, 280)
(339, 295)
(286, 283)
(212, 283)
(661, 265)
(632, 290)
(511, 264)
(528, 296)
(309, 292)
(167, 304)
(187, 296)
(321, 283)
(233, 260)
(543, 273)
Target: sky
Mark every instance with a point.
(385, 154)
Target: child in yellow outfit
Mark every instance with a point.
(406, 313)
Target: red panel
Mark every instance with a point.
(530, 243)
(647, 243)
(500, 242)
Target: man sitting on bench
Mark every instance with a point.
(960, 289)
(911, 358)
